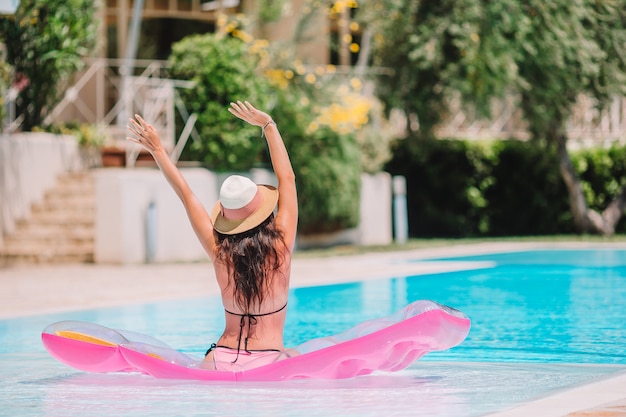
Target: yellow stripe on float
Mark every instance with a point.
(69, 334)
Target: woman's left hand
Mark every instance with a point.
(246, 111)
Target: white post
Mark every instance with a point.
(400, 217)
(151, 232)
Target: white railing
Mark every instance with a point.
(589, 125)
(109, 91)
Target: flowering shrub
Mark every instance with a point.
(319, 118)
(324, 117)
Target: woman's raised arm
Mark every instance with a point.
(287, 215)
(146, 135)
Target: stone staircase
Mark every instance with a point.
(60, 230)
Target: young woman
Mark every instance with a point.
(250, 245)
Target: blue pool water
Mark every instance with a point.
(541, 320)
(552, 306)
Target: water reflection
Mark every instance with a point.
(433, 389)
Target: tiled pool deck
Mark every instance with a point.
(29, 290)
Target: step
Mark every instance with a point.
(65, 204)
(57, 248)
(51, 234)
(71, 192)
(8, 259)
(63, 218)
(87, 198)
(60, 210)
(73, 181)
(74, 177)
(86, 191)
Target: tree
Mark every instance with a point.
(548, 53)
(440, 48)
(46, 42)
(573, 48)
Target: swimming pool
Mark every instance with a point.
(541, 320)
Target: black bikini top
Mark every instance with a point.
(252, 319)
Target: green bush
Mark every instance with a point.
(443, 186)
(603, 174)
(223, 71)
(501, 188)
(329, 183)
(527, 195)
(326, 164)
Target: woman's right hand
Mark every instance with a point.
(145, 134)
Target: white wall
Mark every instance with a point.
(29, 165)
(123, 198)
(123, 235)
(376, 196)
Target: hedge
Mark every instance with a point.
(462, 188)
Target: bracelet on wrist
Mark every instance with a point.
(271, 122)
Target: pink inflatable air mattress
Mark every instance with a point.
(386, 344)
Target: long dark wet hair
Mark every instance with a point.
(252, 258)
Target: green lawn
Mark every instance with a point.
(430, 243)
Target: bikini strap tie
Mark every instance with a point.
(252, 319)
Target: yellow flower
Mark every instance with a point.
(221, 20)
(230, 27)
(346, 116)
(246, 37)
(300, 69)
(354, 48)
(312, 128)
(356, 84)
(259, 45)
(275, 77)
(310, 78)
(338, 7)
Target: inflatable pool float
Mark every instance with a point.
(387, 344)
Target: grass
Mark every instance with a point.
(412, 244)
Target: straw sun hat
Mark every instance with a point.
(243, 205)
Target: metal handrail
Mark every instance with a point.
(148, 93)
